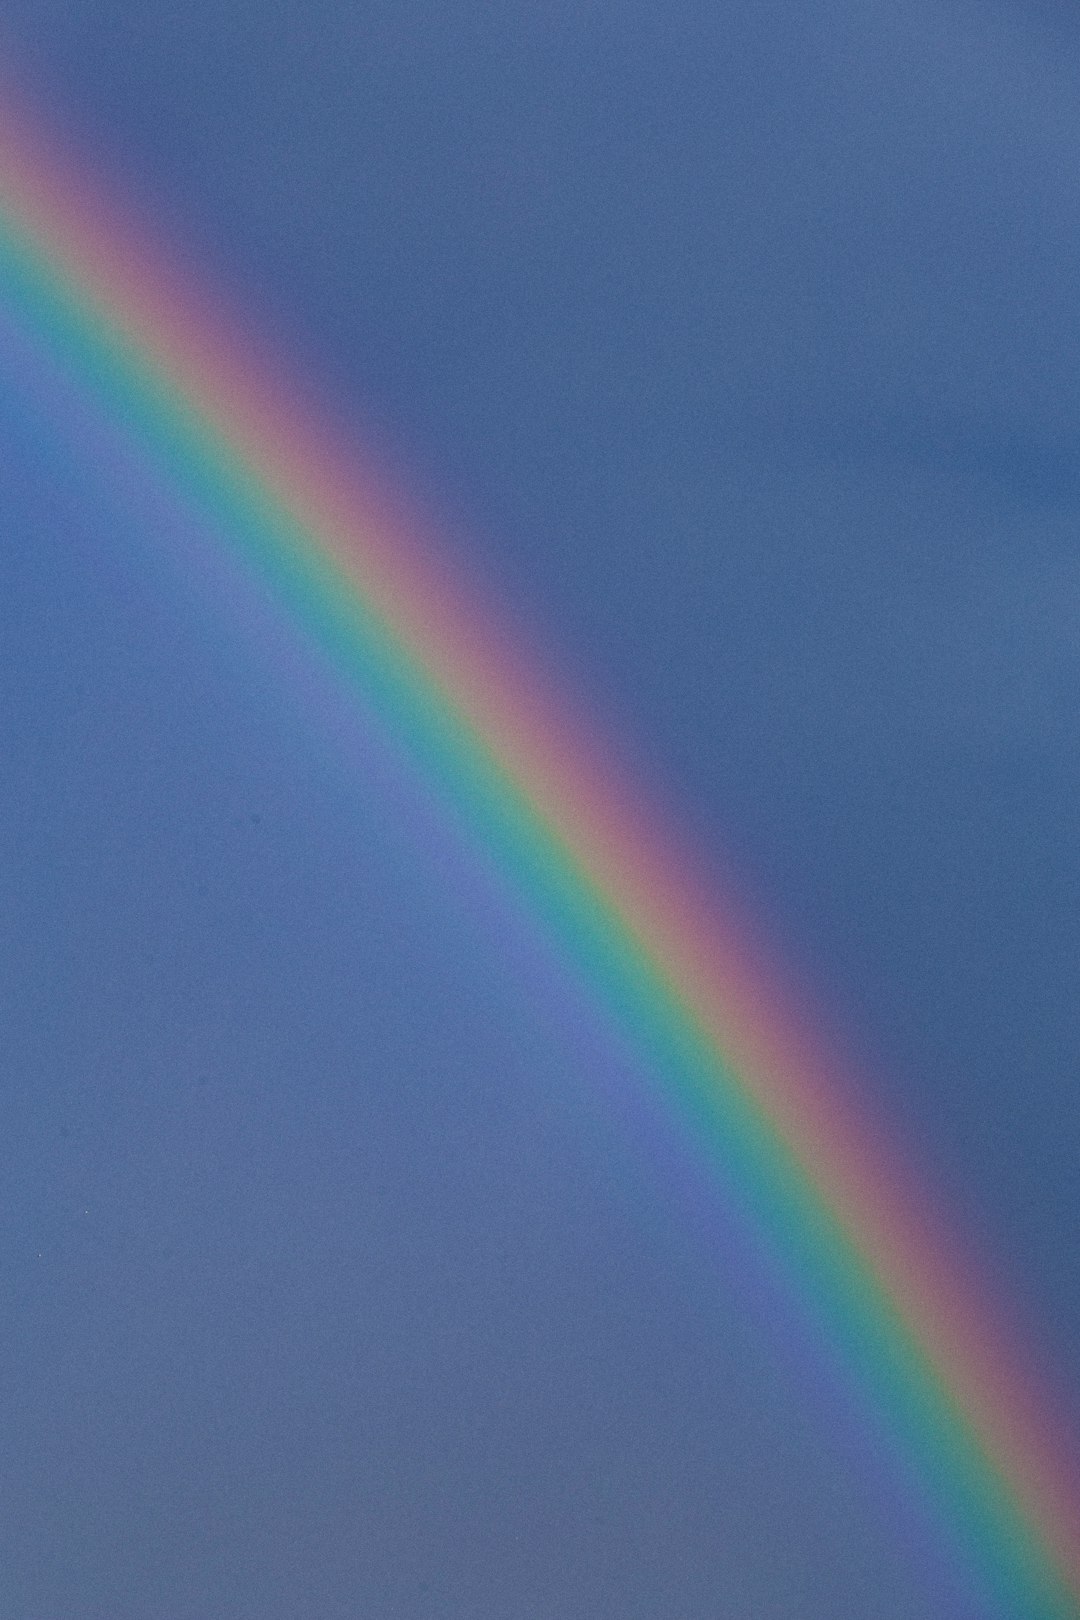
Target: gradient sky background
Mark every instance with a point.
(735, 347)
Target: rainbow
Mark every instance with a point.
(745, 1074)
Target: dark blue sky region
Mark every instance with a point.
(735, 347)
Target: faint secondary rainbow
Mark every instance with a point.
(752, 1081)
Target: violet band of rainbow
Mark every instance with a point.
(753, 1081)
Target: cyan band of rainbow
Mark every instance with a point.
(510, 759)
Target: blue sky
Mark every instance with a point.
(735, 346)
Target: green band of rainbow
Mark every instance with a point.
(751, 1081)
